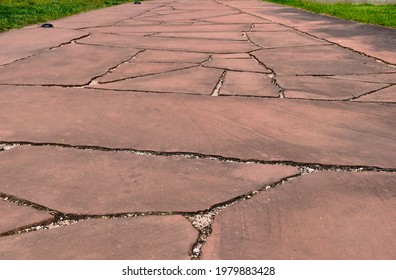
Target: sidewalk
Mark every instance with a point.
(188, 129)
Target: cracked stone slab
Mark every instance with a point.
(73, 64)
(323, 60)
(105, 17)
(15, 216)
(325, 215)
(191, 15)
(196, 80)
(238, 18)
(126, 27)
(135, 69)
(376, 41)
(177, 44)
(249, 84)
(269, 27)
(283, 39)
(171, 57)
(237, 35)
(241, 63)
(143, 238)
(342, 133)
(324, 88)
(99, 182)
(18, 44)
(384, 95)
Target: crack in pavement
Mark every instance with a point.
(314, 36)
(5, 145)
(219, 84)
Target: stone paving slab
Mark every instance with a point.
(326, 215)
(16, 216)
(274, 129)
(100, 182)
(19, 44)
(160, 131)
(105, 239)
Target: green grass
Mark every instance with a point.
(19, 13)
(374, 14)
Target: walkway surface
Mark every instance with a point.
(189, 129)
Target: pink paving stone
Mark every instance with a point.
(191, 15)
(171, 56)
(13, 216)
(73, 64)
(237, 18)
(195, 80)
(18, 44)
(125, 27)
(177, 44)
(384, 95)
(326, 215)
(385, 78)
(246, 64)
(249, 84)
(315, 60)
(140, 238)
(324, 87)
(376, 41)
(97, 182)
(105, 17)
(268, 129)
(266, 27)
(284, 39)
(136, 69)
(237, 35)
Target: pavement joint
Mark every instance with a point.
(217, 88)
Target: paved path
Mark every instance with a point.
(207, 129)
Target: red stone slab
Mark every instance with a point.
(283, 39)
(376, 41)
(269, 27)
(136, 69)
(238, 18)
(304, 131)
(73, 64)
(324, 60)
(327, 215)
(385, 95)
(195, 80)
(97, 182)
(126, 28)
(178, 44)
(386, 78)
(324, 88)
(171, 57)
(244, 63)
(140, 238)
(18, 44)
(191, 15)
(249, 84)
(237, 36)
(13, 216)
(105, 17)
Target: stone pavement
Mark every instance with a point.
(185, 129)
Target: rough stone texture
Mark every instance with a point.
(319, 60)
(325, 87)
(310, 91)
(19, 44)
(248, 84)
(97, 182)
(323, 132)
(143, 238)
(195, 80)
(73, 64)
(327, 215)
(14, 216)
(384, 95)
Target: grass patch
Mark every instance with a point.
(19, 13)
(384, 15)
